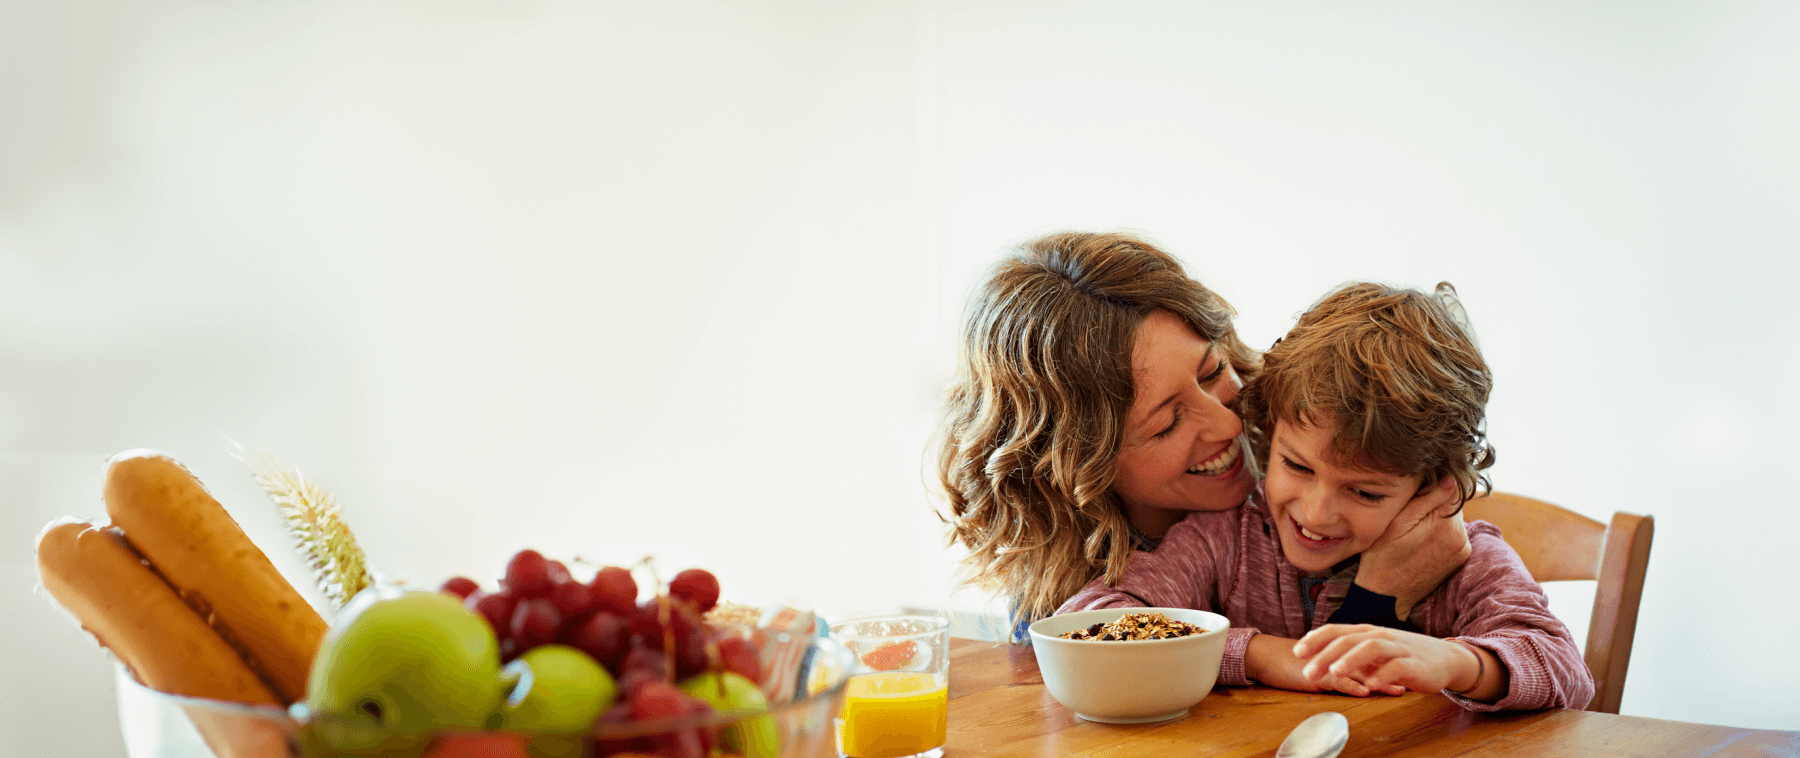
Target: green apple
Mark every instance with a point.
(754, 737)
(561, 691)
(397, 666)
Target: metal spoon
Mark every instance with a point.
(1321, 735)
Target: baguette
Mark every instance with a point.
(96, 576)
(172, 520)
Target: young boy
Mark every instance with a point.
(1375, 395)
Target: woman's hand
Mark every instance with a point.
(1270, 661)
(1379, 657)
(1420, 549)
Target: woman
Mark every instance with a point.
(1094, 406)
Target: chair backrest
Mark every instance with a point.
(1558, 544)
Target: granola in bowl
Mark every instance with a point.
(1136, 626)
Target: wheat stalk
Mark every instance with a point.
(320, 534)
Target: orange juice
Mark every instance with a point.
(892, 714)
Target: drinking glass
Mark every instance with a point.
(898, 694)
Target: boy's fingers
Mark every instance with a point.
(1432, 499)
(1327, 657)
(1349, 686)
(1441, 494)
(1367, 655)
(1312, 641)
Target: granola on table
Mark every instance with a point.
(1136, 626)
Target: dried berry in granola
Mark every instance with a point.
(1136, 626)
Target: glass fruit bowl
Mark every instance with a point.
(805, 689)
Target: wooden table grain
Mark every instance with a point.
(999, 707)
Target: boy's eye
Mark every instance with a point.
(1294, 467)
(1373, 497)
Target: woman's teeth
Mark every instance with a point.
(1219, 464)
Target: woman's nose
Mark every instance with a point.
(1217, 420)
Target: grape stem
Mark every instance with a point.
(668, 634)
(662, 618)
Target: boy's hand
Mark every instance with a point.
(1380, 657)
(1271, 661)
(1420, 549)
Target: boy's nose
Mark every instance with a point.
(1312, 508)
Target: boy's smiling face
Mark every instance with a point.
(1324, 509)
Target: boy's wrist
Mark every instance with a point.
(1479, 671)
(1259, 652)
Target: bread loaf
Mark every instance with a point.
(96, 576)
(172, 520)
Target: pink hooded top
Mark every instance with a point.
(1230, 562)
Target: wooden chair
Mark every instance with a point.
(1558, 545)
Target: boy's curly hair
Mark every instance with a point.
(1398, 375)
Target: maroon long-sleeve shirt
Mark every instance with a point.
(1230, 562)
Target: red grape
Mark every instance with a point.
(496, 607)
(528, 574)
(685, 629)
(479, 745)
(535, 621)
(656, 700)
(708, 735)
(460, 586)
(614, 590)
(617, 713)
(635, 679)
(697, 586)
(571, 598)
(557, 571)
(736, 654)
(602, 636)
(682, 743)
(620, 713)
(641, 665)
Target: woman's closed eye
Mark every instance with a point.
(1213, 375)
(1175, 422)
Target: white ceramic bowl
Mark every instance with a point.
(1129, 682)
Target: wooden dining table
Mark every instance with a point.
(999, 707)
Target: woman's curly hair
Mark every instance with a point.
(1398, 375)
(1028, 447)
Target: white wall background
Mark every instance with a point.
(682, 278)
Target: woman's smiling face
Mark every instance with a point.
(1181, 449)
(1324, 510)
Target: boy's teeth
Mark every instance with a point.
(1220, 464)
(1312, 535)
